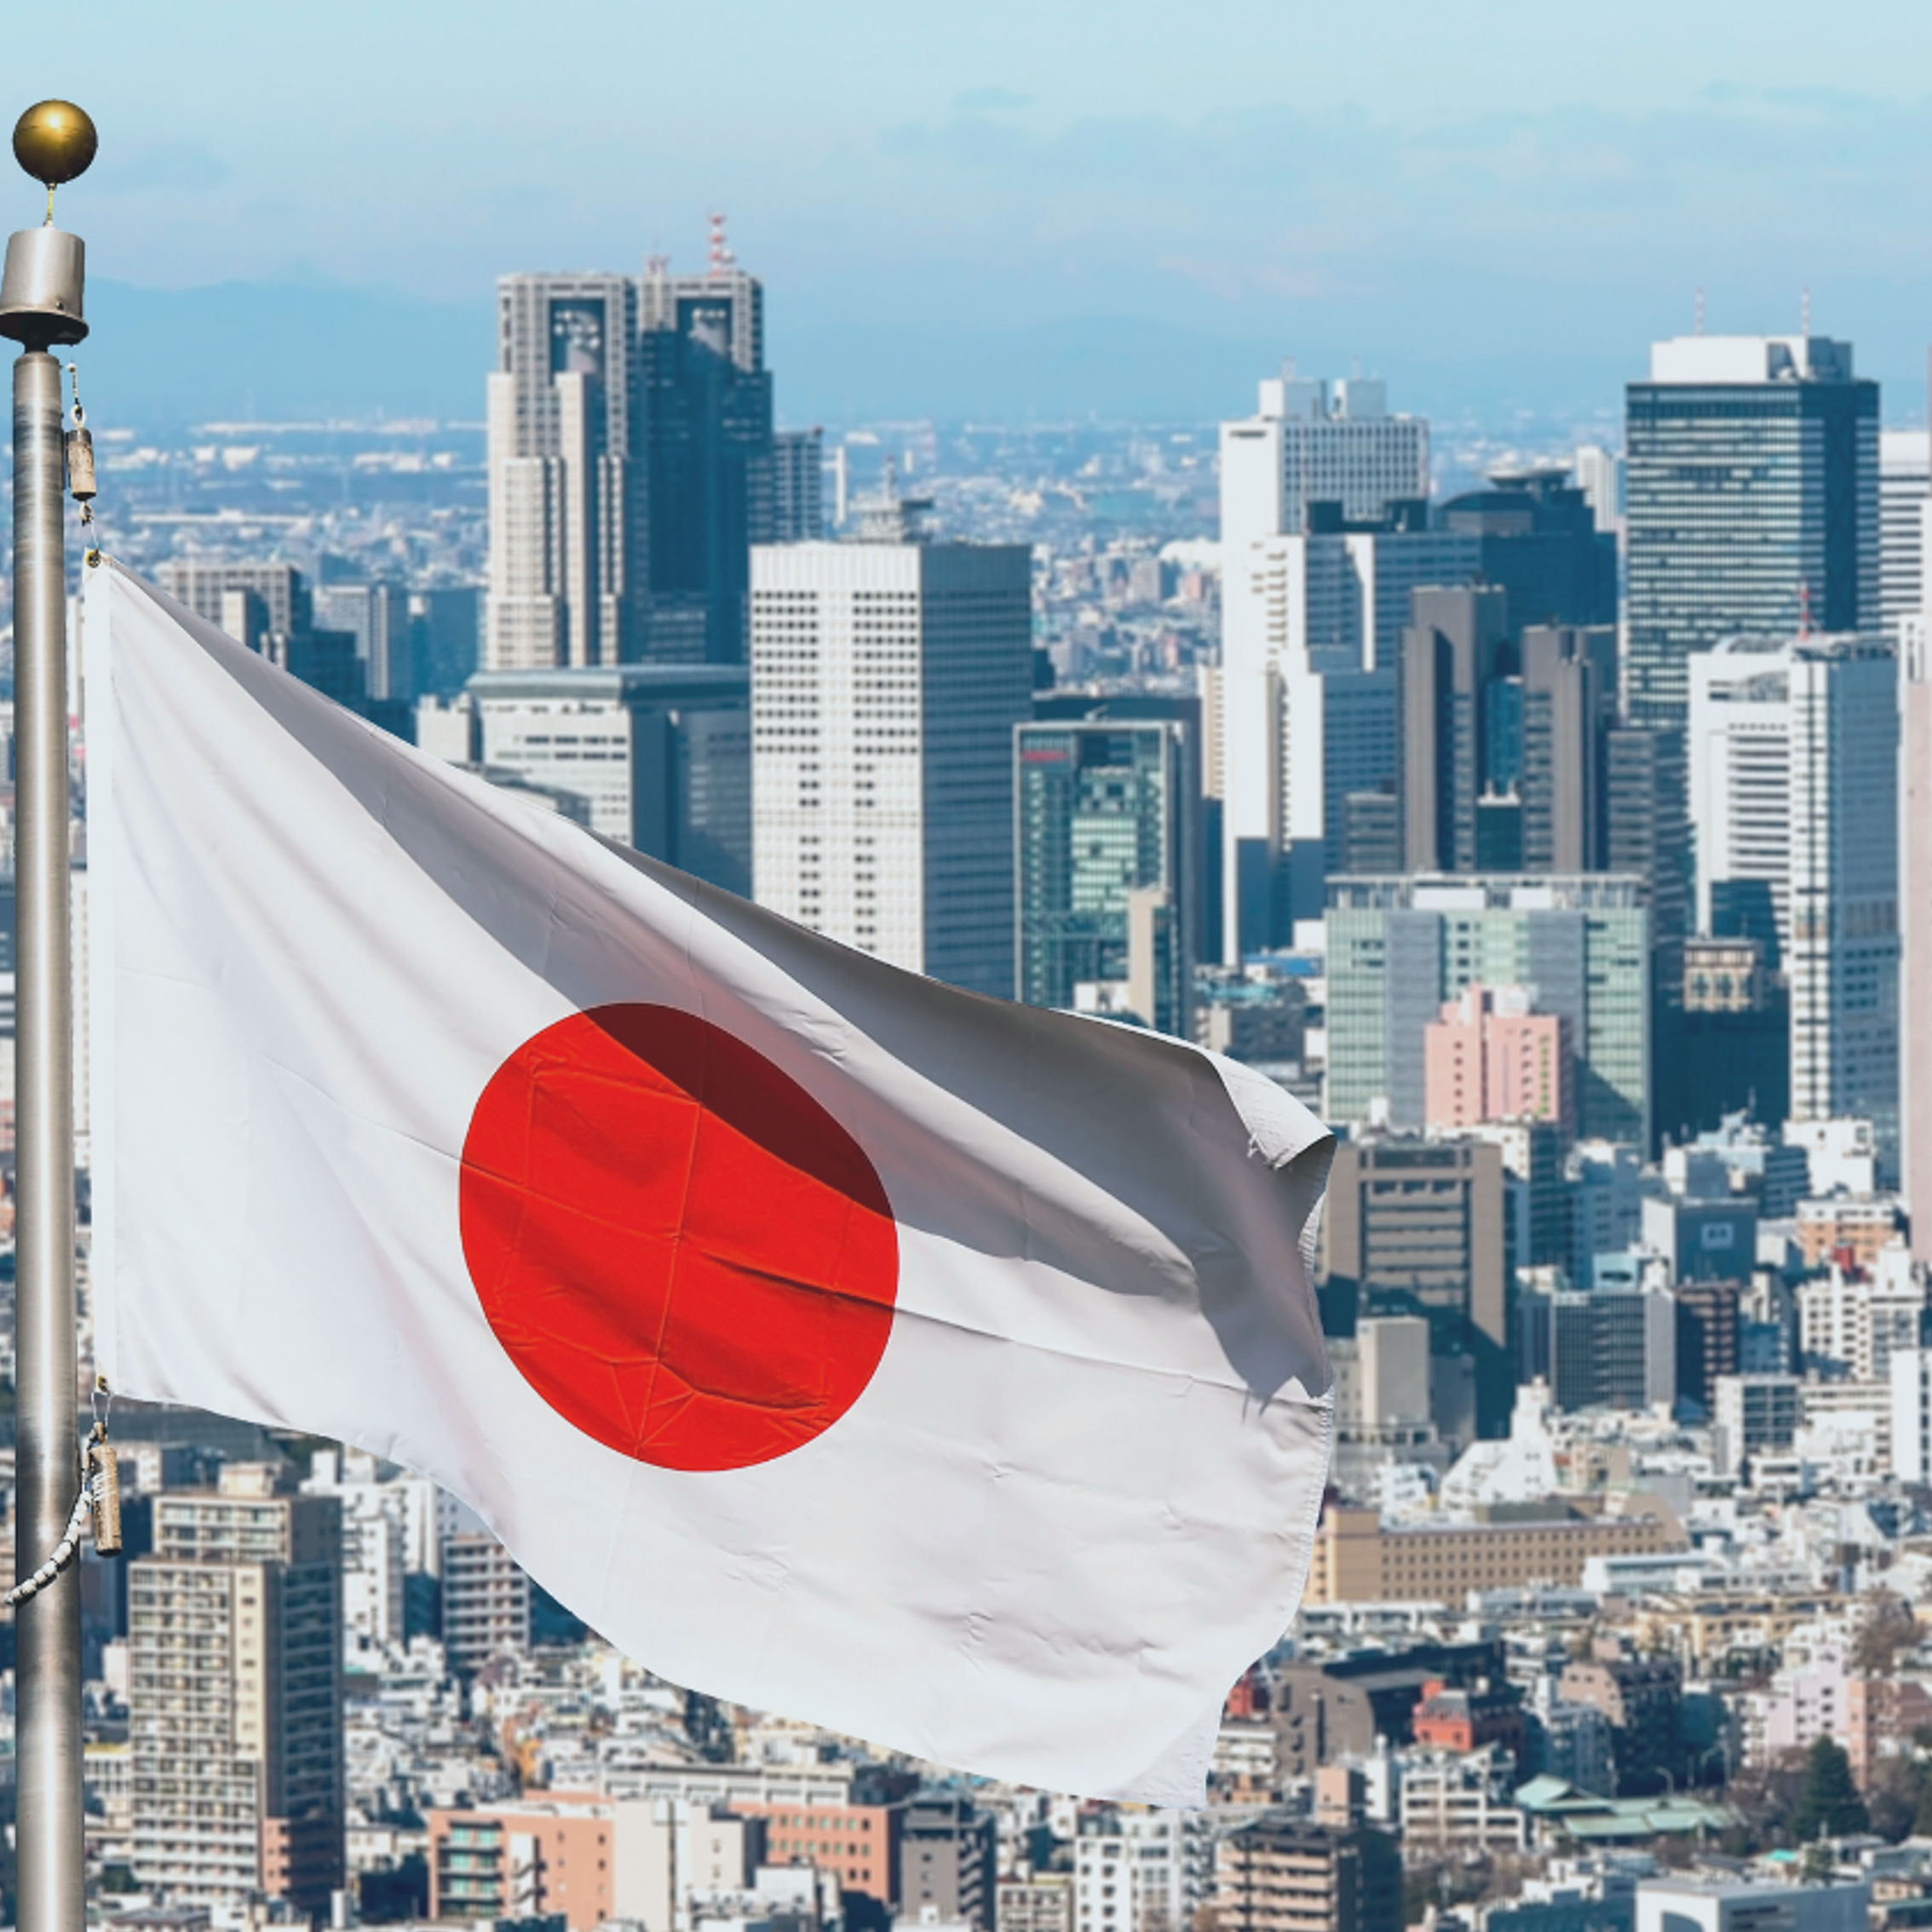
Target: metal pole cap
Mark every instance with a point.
(40, 289)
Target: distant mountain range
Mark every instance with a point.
(164, 359)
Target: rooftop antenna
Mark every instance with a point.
(1804, 312)
(722, 260)
(1699, 330)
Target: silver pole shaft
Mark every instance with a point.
(47, 1466)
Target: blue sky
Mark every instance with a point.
(1503, 195)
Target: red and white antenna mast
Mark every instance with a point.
(722, 260)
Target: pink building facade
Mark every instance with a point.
(1490, 1057)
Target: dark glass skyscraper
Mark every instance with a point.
(1752, 502)
(632, 467)
(1103, 837)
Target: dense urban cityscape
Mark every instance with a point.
(1552, 821)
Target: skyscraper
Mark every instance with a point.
(798, 485)
(1569, 705)
(235, 1696)
(632, 467)
(1794, 764)
(1104, 839)
(1311, 442)
(1451, 656)
(887, 676)
(1541, 546)
(660, 753)
(1307, 599)
(565, 528)
(269, 607)
(704, 421)
(1752, 502)
(1905, 488)
(1399, 949)
(1915, 928)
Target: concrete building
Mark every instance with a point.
(660, 754)
(1414, 1226)
(486, 1600)
(1756, 1414)
(1358, 1561)
(1399, 948)
(1912, 1415)
(588, 1860)
(1490, 1056)
(1794, 761)
(948, 1862)
(375, 1550)
(1137, 1871)
(1915, 926)
(1642, 1698)
(1905, 486)
(1613, 1348)
(1683, 1905)
(376, 615)
(563, 506)
(1453, 651)
(1313, 611)
(269, 607)
(887, 677)
(1541, 546)
(1287, 1875)
(798, 486)
(1104, 836)
(1853, 1321)
(631, 467)
(1312, 442)
(1457, 1803)
(859, 1842)
(235, 1696)
(1569, 700)
(1752, 502)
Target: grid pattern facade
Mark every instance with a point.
(1100, 812)
(886, 679)
(1748, 505)
(1400, 948)
(235, 1693)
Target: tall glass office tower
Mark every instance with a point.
(1103, 834)
(1751, 501)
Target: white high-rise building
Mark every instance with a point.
(1905, 484)
(1141, 1870)
(1793, 776)
(660, 755)
(1307, 704)
(1912, 1414)
(1600, 475)
(562, 495)
(1311, 442)
(887, 676)
(1300, 607)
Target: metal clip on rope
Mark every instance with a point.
(100, 1498)
(64, 1550)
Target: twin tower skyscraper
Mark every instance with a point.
(633, 464)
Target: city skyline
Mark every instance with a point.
(950, 201)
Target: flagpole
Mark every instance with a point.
(40, 308)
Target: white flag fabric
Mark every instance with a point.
(934, 1369)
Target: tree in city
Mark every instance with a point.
(1828, 1804)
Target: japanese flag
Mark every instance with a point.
(931, 1368)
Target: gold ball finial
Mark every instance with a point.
(55, 141)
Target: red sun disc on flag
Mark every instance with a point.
(682, 1252)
